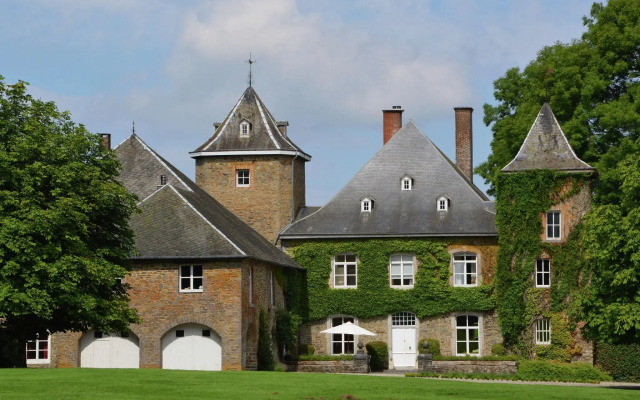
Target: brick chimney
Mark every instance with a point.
(391, 122)
(464, 142)
(282, 127)
(106, 140)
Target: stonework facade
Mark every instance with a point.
(268, 202)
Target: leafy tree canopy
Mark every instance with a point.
(64, 233)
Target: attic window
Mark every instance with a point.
(366, 205)
(245, 128)
(407, 183)
(443, 203)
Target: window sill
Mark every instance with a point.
(36, 362)
(191, 291)
(401, 287)
(344, 287)
(466, 286)
(543, 286)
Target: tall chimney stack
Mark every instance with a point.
(391, 122)
(106, 140)
(464, 140)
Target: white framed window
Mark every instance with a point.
(553, 225)
(366, 205)
(345, 271)
(242, 178)
(401, 270)
(191, 278)
(342, 343)
(38, 350)
(407, 183)
(465, 269)
(543, 273)
(443, 203)
(403, 319)
(272, 289)
(543, 331)
(251, 285)
(245, 128)
(467, 335)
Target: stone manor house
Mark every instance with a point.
(409, 235)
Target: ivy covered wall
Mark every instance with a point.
(522, 201)
(432, 294)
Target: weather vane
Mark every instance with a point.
(133, 127)
(250, 61)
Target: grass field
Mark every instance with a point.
(53, 384)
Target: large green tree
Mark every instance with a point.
(593, 87)
(64, 233)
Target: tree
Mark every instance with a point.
(64, 233)
(593, 87)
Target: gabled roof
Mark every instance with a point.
(180, 220)
(397, 212)
(264, 137)
(546, 147)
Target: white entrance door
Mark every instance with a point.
(109, 350)
(192, 347)
(403, 339)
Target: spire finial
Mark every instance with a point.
(250, 62)
(133, 128)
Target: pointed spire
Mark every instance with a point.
(546, 147)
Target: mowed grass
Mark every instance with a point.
(53, 384)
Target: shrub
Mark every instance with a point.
(306, 350)
(554, 371)
(434, 346)
(622, 361)
(287, 325)
(265, 348)
(379, 353)
(498, 350)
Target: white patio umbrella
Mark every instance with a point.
(348, 328)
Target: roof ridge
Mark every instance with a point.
(160, 160)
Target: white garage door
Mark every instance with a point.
(193, 347)
(109, 350)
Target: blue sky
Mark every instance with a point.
(327, 67)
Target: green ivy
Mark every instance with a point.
(522, 200)
(431, 295)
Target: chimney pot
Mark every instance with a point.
(106, 140)
(464, 140)
(282, 127)
(391, 122)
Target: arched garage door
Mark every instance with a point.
(193, 347)
(109, 350)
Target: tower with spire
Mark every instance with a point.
(252, 167)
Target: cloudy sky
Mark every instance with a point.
(327, 67)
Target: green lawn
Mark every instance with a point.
(53, 384)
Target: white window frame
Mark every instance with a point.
(191, 278)
(403, 319)
(245, 128)
(541, 274)
(442, 204)
(555, 227)
(406, 184)
(465, 263)
(406, 262)
(543, 331)
(243, 180)
(366, 205)
(340, 262)
(39, 344)
(467, 331)
(346, 342)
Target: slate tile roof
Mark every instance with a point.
(179, 220)
(398, 213)
(264, 135)
(546, 147)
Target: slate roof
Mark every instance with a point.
(179, 220)
(398, 213)
(546, 147)
(264, 137)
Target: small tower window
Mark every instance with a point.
(366, 205)
(443, 203)
(406, 183)
(245, 128)
(242, 178)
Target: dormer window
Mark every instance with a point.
(366, 205)
(245, 128)
(443, 203)
(407, 183)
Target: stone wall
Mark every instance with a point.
(335, 367)
(476, 367)
(266, 203)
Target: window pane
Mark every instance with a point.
(349, 319)
(350, 258)
(408, 281)
(396, 269)
(549, 218)
(185, 270)
(474, 347)
(473, 320)
(473, 334)
(337, 347)
(197, 270)
(351, 280)
(351, 269)
(458, 280)
(340, 258)
(556, 231)
(185, 283)
(339, 280)
(339, 269)
(197, 283)
(461, 347)
(461, 320)
(461, 334)
(336, 321)
(458, 268)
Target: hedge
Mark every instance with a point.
(622, 361)
(379, 353)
